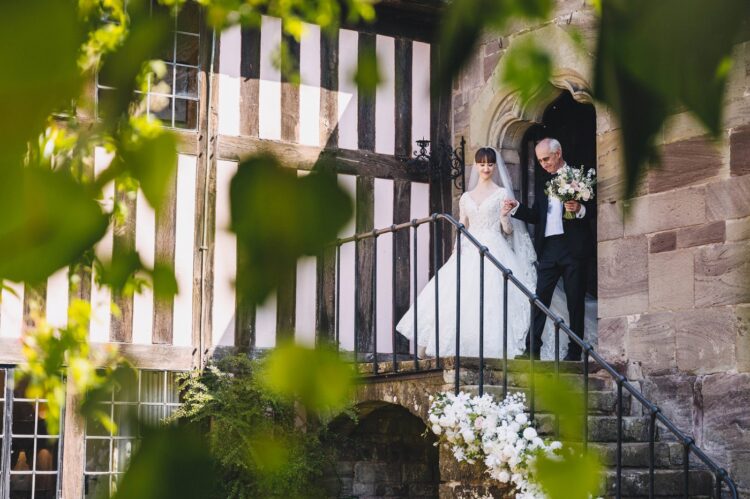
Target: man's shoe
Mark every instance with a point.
(525, 356)
(572, 357)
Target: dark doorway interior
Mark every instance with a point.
(574, 125)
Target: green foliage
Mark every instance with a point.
(54, 354)
(171, 462)
(528, 68)
(462, 24)
(655, 56)
(254, 435)
(572, 474)
(318, 378)
(279, 217)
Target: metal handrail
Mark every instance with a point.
(655, 413)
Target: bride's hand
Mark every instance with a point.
(508, 205)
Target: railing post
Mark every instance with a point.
(457, 363)
(337, 298)
(586, 398)
(394, 262)
(435, 264)
(375, 302)
(652, 450)
(532, 381)
(505, 334)
(620, 410)
(482, 252)
(557, 371)
(416, 296)
(686, 464)
(356, 299)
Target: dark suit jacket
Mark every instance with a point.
(577, 232)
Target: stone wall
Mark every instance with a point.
(674, 272)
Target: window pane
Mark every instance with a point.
(186, 84)
(152, 386)
(45, 486)
(96, 487)
(164, 85)
(20, 486)
(173, 395)
(97, 454)
(128, 391)
(187, 49)
(46, 454)
(43, 411)
(23, 418)
(168, 54)
(123, 450)
(185, 114)
(94, 427)
(151, 415)
(161, 107)
(189, 18)
(126, 419)
(22, 454)
(105, 100)
(20, 389)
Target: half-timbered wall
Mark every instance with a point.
(246, 105)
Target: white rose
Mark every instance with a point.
(436, 429)
(529, 433)
(522, 419)
(434, 419)
(555, 445)
(503, 476)
(515, 427)
(467, 435)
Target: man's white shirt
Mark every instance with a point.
(555, 209)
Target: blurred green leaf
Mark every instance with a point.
(528, 69)
(655, 56)
(171, 462)
(462, 24)
(165, 282)
(149, 153)
(367, 77)
(117, 273)
(279, 217)
(572, 475)
(49, 220)
(149, 34)
(569, 474)
(39, 44)
(318, 378)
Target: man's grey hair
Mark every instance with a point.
(553, 144)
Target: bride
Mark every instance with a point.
(480, 210)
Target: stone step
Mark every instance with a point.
(667, 483)
(637, 454)
(523, 380)
(600, 402)
(604, 428)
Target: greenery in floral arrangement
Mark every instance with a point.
(258, 439)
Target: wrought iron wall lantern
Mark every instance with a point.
(442, 160)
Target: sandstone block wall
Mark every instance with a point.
(674, 261)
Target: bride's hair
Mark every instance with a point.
(485, 155)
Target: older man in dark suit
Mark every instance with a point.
(562, 248)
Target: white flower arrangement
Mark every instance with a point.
(572, 184)
(478, 429)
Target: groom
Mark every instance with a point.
(562, 248)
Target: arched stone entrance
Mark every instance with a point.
(385, 452)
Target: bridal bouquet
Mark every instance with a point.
(498, 434)
(572, 184)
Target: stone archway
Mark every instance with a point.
(385, 452)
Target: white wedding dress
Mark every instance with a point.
(484, 225)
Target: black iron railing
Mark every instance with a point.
(655, 415)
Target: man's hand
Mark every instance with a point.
(573, 206)
(508, 205)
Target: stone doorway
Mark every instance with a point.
(573, 123)
(384, 454)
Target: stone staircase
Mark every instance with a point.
(461, 481)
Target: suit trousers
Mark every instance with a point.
(556, 261)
